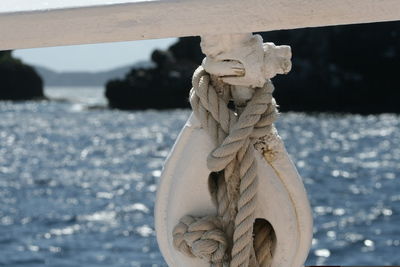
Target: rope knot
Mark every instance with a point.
(234, 135)
(201, 237)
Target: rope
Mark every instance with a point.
(234, 158)
(201, 237)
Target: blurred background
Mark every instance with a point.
(83, 140)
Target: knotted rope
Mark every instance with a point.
(233, 135)
(201, 237)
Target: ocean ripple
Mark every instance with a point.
(77, 187)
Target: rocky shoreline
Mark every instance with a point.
(335, 69)
(18, 81)
(164, 86)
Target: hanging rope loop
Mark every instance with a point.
(234, 137)
(237, 69)
(244, 127)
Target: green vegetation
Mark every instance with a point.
(5, 56)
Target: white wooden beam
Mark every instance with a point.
(50, 24)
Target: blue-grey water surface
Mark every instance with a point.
(77, 186)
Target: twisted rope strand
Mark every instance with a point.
(235, 195)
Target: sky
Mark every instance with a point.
(94, 57)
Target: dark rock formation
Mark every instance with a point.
(17, 80)
(161, 87)
(350, 68)
(342, 69)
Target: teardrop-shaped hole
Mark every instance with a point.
(264, 242)
(213, 180)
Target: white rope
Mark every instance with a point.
(235, 196)
(202, 238)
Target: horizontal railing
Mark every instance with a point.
(44, 25)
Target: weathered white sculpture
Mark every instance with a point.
(242, 61)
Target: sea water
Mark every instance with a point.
(77, 185)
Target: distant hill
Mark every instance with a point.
(77, 79)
